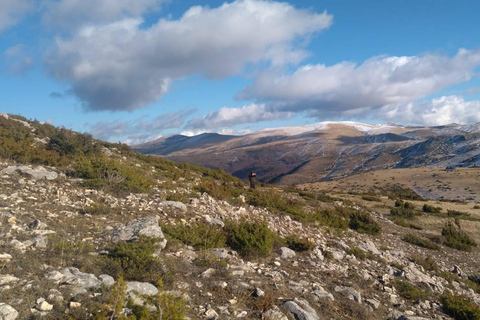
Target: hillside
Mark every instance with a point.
(94, 230)
(324, 151)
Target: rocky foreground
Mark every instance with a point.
(54, 232)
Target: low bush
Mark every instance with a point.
(362, 222)
(97, 208)
(199, 235)
(371, 198)
(403, 212)
(134, 261)
(278, 202)
(413, 239)
(460, 307)
(405, 223)
(298, 244)
(457, 214)
(357, 252)
(408, 291)
(431, 209)
(177, 196)
(250, 239)
(428, 262)
(455, 237)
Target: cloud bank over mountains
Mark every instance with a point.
(114, 59)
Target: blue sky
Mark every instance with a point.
(134, 70)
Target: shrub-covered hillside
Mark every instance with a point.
(93, 230)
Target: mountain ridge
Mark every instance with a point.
(325, 150)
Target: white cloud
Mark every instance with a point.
(226, 117)
(378, 81)
(16, 60)
(11, 11)
(139, 130)
(439, 111)
(70, 14)
(133, 67)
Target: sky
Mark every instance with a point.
(135, 70)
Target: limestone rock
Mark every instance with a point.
(287, 253)
(301, 309)
(146, 226)
(350, 293)
(5, 258)
(175, 205)
(7, 312)
(143, 288)
(36, 173)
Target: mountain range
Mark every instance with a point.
(325, 150)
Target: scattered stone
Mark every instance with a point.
(5, 258)
(43, 305)
(373, 302)
(350, 293)
(143, 288)
(301, 309)
(7, 312)
(175, 205)
(214, 221)
(107, 280)
(322, 294)
(274, 314)
(37, 173)
(146, 226)
(7, 279)
(219, 253)
(36, 225)
(73, 304)
(287, 253)
(258, 292)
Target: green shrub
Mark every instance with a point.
(362, 222)
(357, 252)
(337, 218)
(403, 212)
(455, 237)
(460, 307)
(371, 198)
(250, 238)
(457, 214)
(220, 190)
(134, 261)
(428, 262)
(405, 223)
(431, 209)
(476, 206)
(298, 244)
(278, 202)
(199, 235)
(408, 291)
(97, 208)
(177, 196)
(413, 239)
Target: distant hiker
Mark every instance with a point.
(251, 177)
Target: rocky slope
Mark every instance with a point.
(327, 150)
(196, 243)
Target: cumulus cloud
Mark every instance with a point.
(378, 81)
(70, 14)
(226, 117)
(16, 60)
(11, 11)
(133, 67)
(139, 130)
(439, 111)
